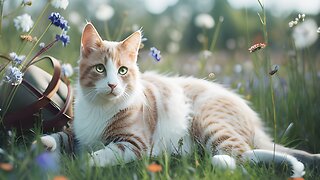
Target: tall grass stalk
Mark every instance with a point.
(1, 16)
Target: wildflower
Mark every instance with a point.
(211, 75)
(104, 12)
(296, 178)
(59, 21)
(26, 37)
(206, 54)
(27, 2)
(47, 161)
(297, 20)
(23, 22)
(274, 70)
(204, 21)
(13, 76)
(173, 47)
(154, 168)
(318, 31)
(42, 45)
(17, 60)
(304, 35)
(60, 178)
(237, 68)
(75, 17)
(256, 47)
(155, 53)
(6, 166)
(62, 4)
(67, 70)
(64, 38)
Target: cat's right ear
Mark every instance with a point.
(90, 40)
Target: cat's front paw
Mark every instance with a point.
(49, 143)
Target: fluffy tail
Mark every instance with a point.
(268, 156)
(262, 141)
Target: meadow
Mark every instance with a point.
(272, 61)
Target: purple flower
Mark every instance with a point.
(59, 21)
(155, 53)
(48, 161)
(13, 76)
(17, 60)
(65, 39)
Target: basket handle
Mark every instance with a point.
(12, 119)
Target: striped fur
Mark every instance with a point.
(148, 113)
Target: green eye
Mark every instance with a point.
(123, 70)
(100, 68)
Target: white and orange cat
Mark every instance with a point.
(134, 114)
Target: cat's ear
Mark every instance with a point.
(132, 43)
(90, 39)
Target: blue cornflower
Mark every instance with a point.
(59, 21)
(155, 53)
(48, 161)
(17, 60)
(13, 76)
(65, 39)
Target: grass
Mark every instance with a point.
(288, 102)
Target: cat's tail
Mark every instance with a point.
(312, 161)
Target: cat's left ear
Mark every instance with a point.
(132, 43)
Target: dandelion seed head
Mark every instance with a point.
(104, 12)
(23, 22)
(62, 4)
(305, 34)
(204, 21)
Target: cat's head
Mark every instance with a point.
(108, 70)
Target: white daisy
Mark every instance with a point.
(63, 4)
(204, 21)
(23, 22)
(305, 34)
(104, 12)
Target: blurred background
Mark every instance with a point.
(210, 39)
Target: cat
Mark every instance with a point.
(134, 114)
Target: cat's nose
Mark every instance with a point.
(112, 86)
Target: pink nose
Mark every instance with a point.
(112, 86)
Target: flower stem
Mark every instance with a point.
(22, 46)
(1, 15)
(215, 35)
(121, 28)
(35, 44)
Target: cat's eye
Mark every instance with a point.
(123, 70)
(100, 68)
